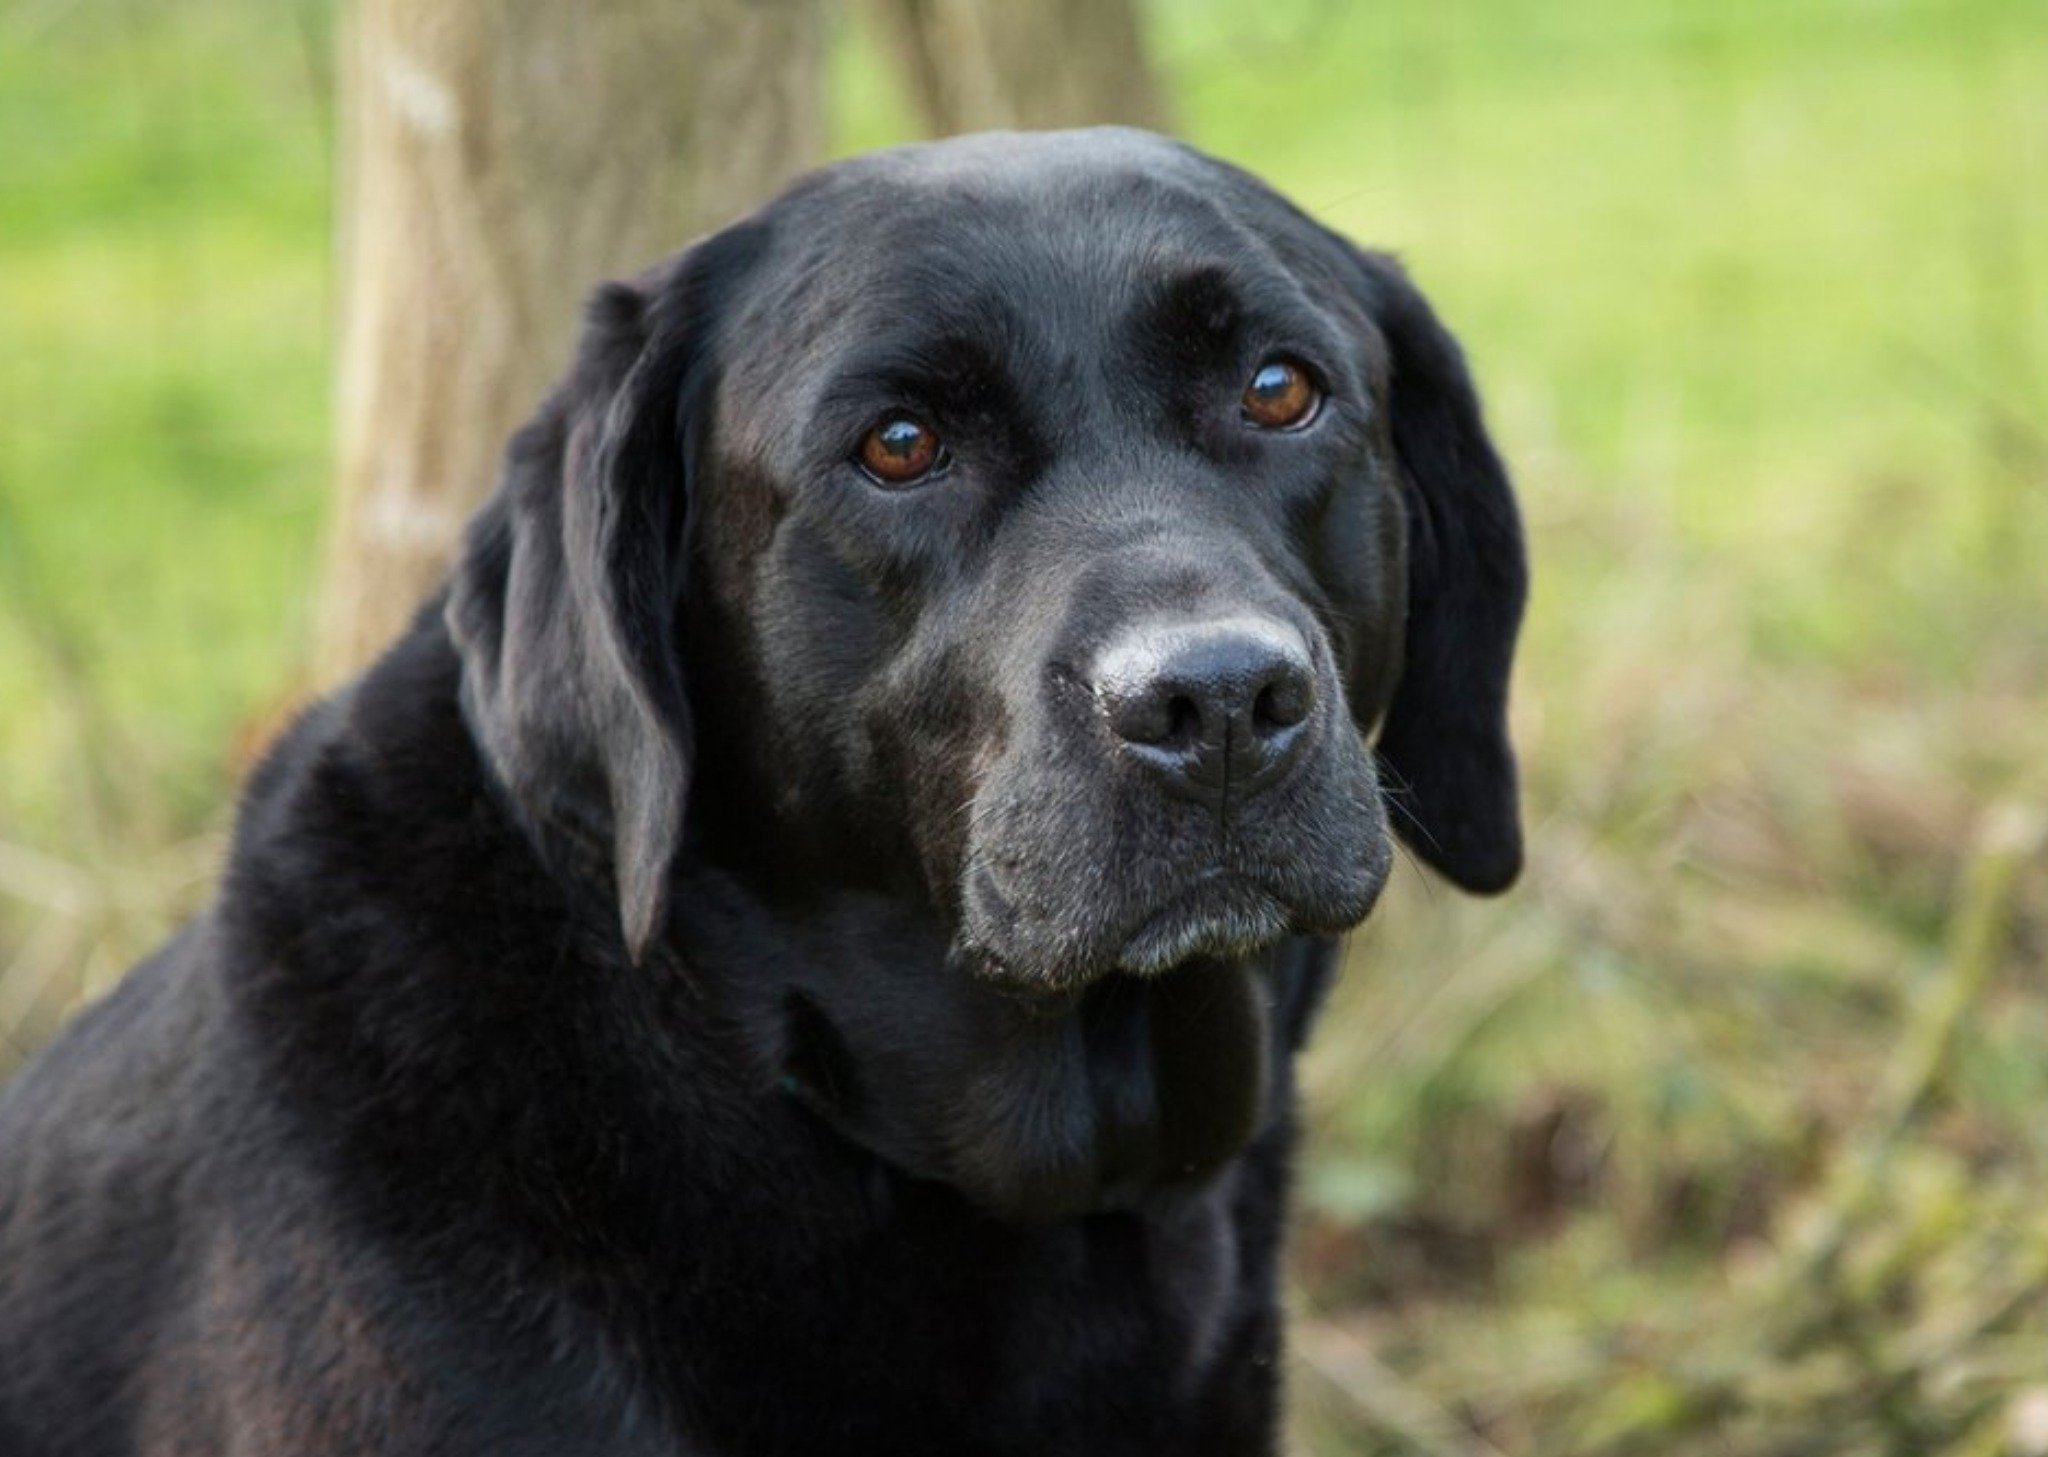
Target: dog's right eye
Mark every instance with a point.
(900, 452)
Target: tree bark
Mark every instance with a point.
(500, 158)
(976, 65)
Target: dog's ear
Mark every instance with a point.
(1445, 734)
(564, 605)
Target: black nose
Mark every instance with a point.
(1220, 708)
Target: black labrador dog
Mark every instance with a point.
(800, 948)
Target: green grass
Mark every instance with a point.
(164, 330)
(1759, 297)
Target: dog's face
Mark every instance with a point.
(1051, 522)
(1025, 534)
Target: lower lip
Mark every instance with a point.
(1185, 928)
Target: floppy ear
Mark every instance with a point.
(564, 604)
(1445, 734)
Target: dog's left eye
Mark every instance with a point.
(1280, 396)
(901, 451)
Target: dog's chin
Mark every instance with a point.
(1215, 915)
(1219, 916)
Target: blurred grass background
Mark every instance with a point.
(1724, 1132)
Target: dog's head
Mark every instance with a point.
(1027, 534)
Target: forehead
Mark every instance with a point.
(1051, 236)
(1088, 206)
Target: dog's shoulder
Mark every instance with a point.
(200, 1226)
(102, 1155)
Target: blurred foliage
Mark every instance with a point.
(1720, 1134)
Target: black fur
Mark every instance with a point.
(698, 993)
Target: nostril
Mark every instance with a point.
(1283, 703)
(1144, 714)
(1156, 719)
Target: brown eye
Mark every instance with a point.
(899, 451)
(1280, 396)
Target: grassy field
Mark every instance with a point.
(1723, 1133)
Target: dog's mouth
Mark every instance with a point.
(1217, 914)
(1067, 878)
(1220, 915)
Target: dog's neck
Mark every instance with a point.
(1034, 1107)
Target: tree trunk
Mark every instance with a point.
(980, 64)
(500, 158)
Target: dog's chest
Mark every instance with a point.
(1112, 1335)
